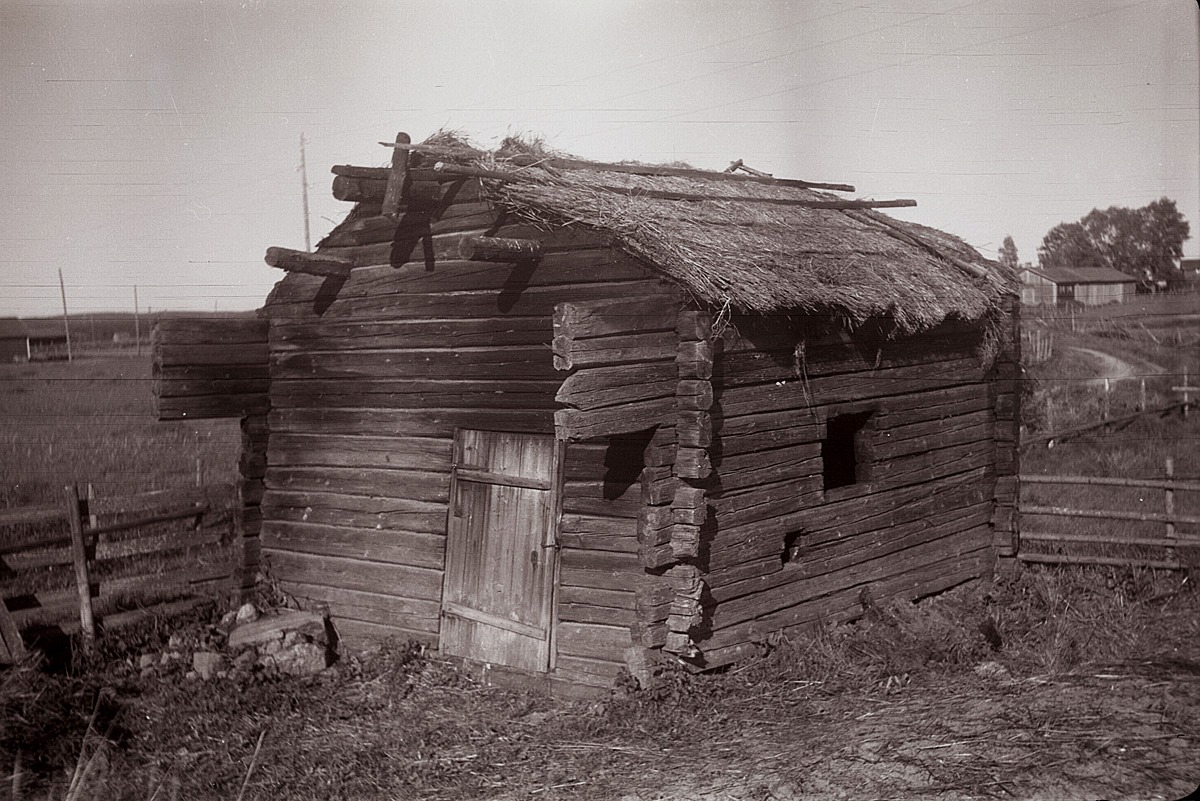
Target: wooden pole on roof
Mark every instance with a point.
(137, 323)
(66, 323)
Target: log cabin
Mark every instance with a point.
(562, 418)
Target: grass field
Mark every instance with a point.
(92, 420)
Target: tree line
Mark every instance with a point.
(1144, 243)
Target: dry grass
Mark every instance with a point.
(92, 421)
(849, 708)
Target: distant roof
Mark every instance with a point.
(1035, 271)
(1086, 275)
(45, 328)
(12, 328)
(749, 242)
(1190, 263)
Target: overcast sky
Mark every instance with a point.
(157, 144)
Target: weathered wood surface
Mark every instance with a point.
(209, 368)
(301, 261)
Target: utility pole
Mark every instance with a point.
(66, 323)
(304, 195)
(137, 322)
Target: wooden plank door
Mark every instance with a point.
(496, 602)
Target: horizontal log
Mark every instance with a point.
(599, 387)
(694, 429)
(574, 424)
(213, 372)
(612, 599)
(190, 387)
(210, 406)
(370, 230)
(299, 396)
(409, 422)
(616, 316)
(312, 450)
(360, 633)
(415, 549)
(583, 613)
(621, 349)
(1109, 514)
(353, 574)
(491, 248)
(210, 330)
(371, 607)
(356, 512)
(520, 302)
(616, 578)
(174, 353)
(1104, 481)
(600, 561)
(299, 261)
(1088, 559)
(463, 363)
(658, 485)
(1183, 541)
(290, 335)
(417, 278)
(416, 485)
(528, 160)
(593, 641)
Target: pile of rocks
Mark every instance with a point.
(247, 643)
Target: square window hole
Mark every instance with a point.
(845, 453)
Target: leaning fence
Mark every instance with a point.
(1096, 533)
(87, 561)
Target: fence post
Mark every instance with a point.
(75, 516)
(1142, 396)
(1104, 410)
(1169, 502)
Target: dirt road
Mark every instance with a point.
(1113, 368)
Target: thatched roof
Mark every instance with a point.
(751, 245)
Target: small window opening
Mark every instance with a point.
(792, 548)
(844, 450)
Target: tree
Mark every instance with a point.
(1008, 254)
(1144, 243)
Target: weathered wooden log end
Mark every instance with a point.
(300, 261)
(492, 248)
(394, 193)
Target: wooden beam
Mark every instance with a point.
(396, 178)
(299, 261)
(660, 194)
(492, 248)
(525, 161)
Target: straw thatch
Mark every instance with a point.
(740, 247)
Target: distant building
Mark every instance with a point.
(1037, 288)
(47, 339)
(1091, 286)
(1190, 266)
(14, 340)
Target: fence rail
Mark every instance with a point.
(64, 565)
(1171, 539)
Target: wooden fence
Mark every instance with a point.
(1037, 345)
(89, 559)
(1134, 545)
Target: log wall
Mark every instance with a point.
(785, 550)
(372, 373)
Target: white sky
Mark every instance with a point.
(157, 144)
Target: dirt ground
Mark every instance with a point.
(1106, 734)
